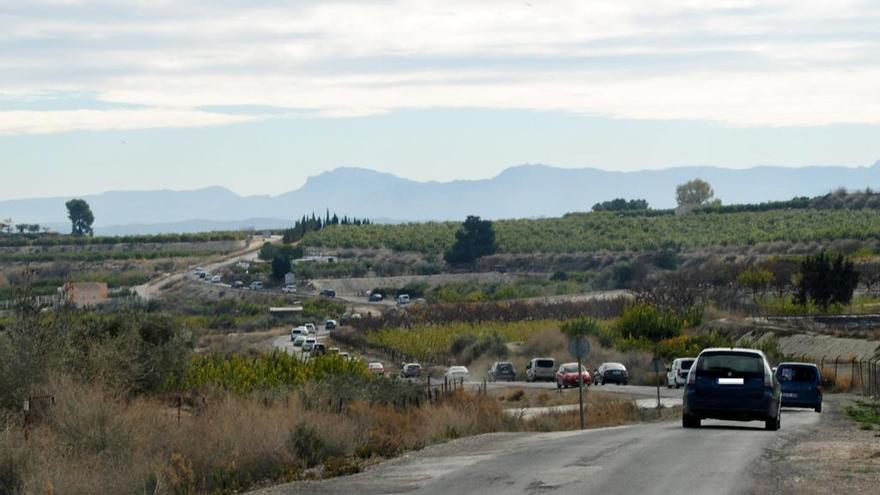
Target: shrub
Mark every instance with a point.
(308, 446)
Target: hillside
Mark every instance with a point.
(586, 232)
(528, 191)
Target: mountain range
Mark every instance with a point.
(525, 191)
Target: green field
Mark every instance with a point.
(587, 232)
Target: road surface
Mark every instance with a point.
(662, 458)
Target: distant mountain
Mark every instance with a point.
(522, 191)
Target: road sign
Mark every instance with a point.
(579, 347)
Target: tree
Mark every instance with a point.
(280, 267)
(475, 238)
(693, 193)
(645, 327)
(621, 204)
(826, 281)
(81, 217)
(757, 280)
(21, 227)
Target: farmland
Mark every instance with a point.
(589, 232)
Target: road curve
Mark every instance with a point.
(661, 458)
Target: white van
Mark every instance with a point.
(256, 285)
(403, 299)
(296, 332)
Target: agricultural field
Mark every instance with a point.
(602, 231)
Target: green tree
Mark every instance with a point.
(644, 326)
(475, 238)
(693, 193)
(826, 281)
(756, 280)
(280, 267)
(81, 217)
(620, 204)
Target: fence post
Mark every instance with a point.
(836, 363)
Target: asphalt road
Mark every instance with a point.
(662, 458)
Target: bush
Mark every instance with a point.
(308, 446)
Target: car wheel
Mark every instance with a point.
(677, 385)
(688, 421)
(773, 424)
(558, 385)
(819, 407)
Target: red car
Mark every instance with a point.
(567, 376)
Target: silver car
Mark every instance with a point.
(543, 369)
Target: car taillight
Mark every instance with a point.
(768, 380)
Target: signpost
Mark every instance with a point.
(659, 367)
(579, 347)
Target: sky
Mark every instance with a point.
(259, 95)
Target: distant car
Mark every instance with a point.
(333, 350)
(611, 373)
(734, 385)
(299, 341)
(801, 385)
(318, 349)
(328, 293)
(376, 368)
(346, 356)
(411, 370)
(376, 297)
(457, 373)
(308, 344)
(355, 316)
(541, 369)
(202, 275)
(403, 299)
(502, 370)
(296, 332)
(199, 270)
(238, 284)
(330, 325)
(310, 327)
(256, 285)
(216, 279)
(677, 374)
(567, 376)
(289, 289)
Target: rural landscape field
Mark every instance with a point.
(439, 247)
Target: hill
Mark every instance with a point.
(527, 191)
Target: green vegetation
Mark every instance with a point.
(519, 289)
(276, 370)
(271, 251)
(66, 240)
(81, 217)
(621, 204)
(597, 231)
(866, 413)
(104, 255)
(315, 223)
(695, 192)
(825, 281)
(475, 239)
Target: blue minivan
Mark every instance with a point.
(732, 384)
(801, 385)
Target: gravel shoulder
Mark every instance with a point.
(831, 456)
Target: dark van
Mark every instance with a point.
(732, 384)
(801, 385)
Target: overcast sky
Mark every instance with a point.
(257, 95)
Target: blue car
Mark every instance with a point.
(732, 384)
(801, 385)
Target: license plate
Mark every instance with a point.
(730, 381)
(789, 395)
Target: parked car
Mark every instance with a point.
(199, 270)
(376, 297)
(256, 285)
(330, 325)
(677, 373)
(308, 344)
(202, 275)
(216, 279)
(328, 293)
(732, 384)
(541, 369)
(457, 373)
(611, 373)
(801, 385)
(345, 355)
(411, 370)
(567, 376)
(296, 332)
(238, 284)
(318, 349)
(299, 341)
(502, 370)
(289, 289)
(310, 327)
(333, 350)
(403, 299)
(376, 368)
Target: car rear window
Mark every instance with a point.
(505, 367)
(545, 363)
(800, 374)
(686, 364)
(731, 364)
(571, 368)
(614, 366)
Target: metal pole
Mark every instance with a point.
(581, 390)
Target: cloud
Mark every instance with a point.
(47, 122)
(735, 62)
